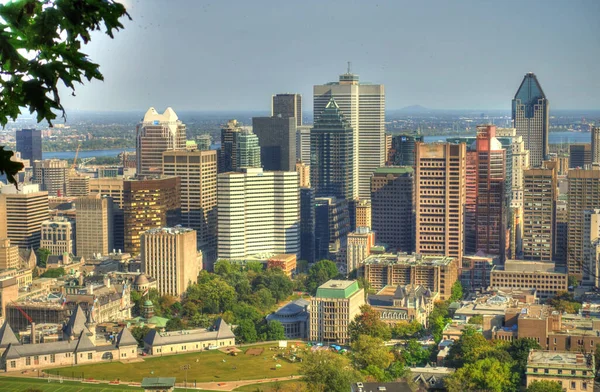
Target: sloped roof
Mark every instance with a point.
(76, 322)
(7, 336)
(223, 330)
(125, 338)
(84, 343)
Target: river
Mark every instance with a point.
(554, 138)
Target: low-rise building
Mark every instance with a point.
(219, 336)
(573, 371)
(335, 305)
(436, 273)
(545, 277)
(286, 262)
(294, 318)
(476, 270)
(403, 304)
(430, 378)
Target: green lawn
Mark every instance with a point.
(204, 367)
(18, 384)
(286, 386)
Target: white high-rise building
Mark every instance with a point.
(258, 212)
(520, 162)
(303, 144)
(155, 134)
(363, 105)
(591, 247)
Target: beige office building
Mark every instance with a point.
(22, 212)
(9, 255)
(170, 256)
(58, 236)
(544, 277)
(335, 305)
(303, 170)
(156, 134)
(108, 186)
(198, 173)
(359, 247)
(596, 144)
(584, 194)
(591, 248)
(574, 372)
(78, 185)
(539, 212)
(52, 175)
(363, 106)
(362, 214)
(440, 193)
(520, 162)
(94, 228)
(258, 212)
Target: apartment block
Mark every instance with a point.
(52, 175)
(545, 277)
(58, 236)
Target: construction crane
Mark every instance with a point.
(85, 161)
(32, 324)
(75, 159)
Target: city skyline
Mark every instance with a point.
(404, 56)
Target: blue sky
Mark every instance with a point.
(233, 55)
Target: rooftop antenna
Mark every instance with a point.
(349, 66)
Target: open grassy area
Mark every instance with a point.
(18, 384)
(285, 386)
(208, 366)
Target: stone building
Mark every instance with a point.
(409, 303)
(573, 371)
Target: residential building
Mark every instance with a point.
(277, 141)
(362, 214)
(335, 305)
(286, 263)
(258, 212)
(162, 343)
(402, 150)
(332, 225)
(286, 106)
(392, 207)
(9, 255)
(170, 256)
(303, 143)
(436, 273)
(29, 144)
(247, 150)
(539, 212)
(584, 194)
(545, 277)
(595, 131)
(22, 212)
(440, 198)
(293, 316)
(156, 134)
(307, 224)
(397, 304)
(332, 165)
(363, 107)
(358, 247)
(580, 155)
(591, 248)
(95, 225)
(573, 371)
(531, 118)
(198, 173)
(58, 236)
(52, 176)
(149, 203)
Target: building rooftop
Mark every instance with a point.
(337, 289)
(169, 230)
(560, 359)
(158, 382)
(529, 266)
(394, 170)
(406, 259)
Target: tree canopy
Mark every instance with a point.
(328, 371)
(544, 386)
(368, 323)
(488, 374)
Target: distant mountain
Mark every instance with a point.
(415, 108)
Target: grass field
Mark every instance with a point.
(208, 366)
(18, 384)
(285, 386)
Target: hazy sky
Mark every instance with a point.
(233, 55)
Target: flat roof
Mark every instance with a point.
(394, 170)
(337, 289)
(560, 359)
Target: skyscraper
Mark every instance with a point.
(52, 175)
(303, 171)
(198, 172)
(520, 162)
(539, 212)
(332, 225)
(332, 165)
(277, 140)
(228, 152)
(591, 247)
(248, 150)
(155, 134)
(402, 150)
(392, 207)
(286, 106)
(29, 144)
(363, 107)
(112, 187)
(170, 255)
(440, 198)
(149, 203)
(490, 200)
(258, 212)
(595, 144)
(307, 224)
(95, 225)
(580, 155)
(531, 114)
(584, 194)
(22, 212)
(303, 143)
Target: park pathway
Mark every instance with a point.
(231, 385)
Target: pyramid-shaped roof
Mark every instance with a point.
(84, 343)
(11, 352)
(7, 336)
(76, 323)
(332, 117)
(153, 338)
(529, 93)
(125, 338)
(223, 329)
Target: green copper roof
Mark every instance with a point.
(337, 289)
(394, 170)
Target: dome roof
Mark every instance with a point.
(148, 303)
(140, 280)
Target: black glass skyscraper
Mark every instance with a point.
(530, 114)
(29, 144)
(403, 150)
